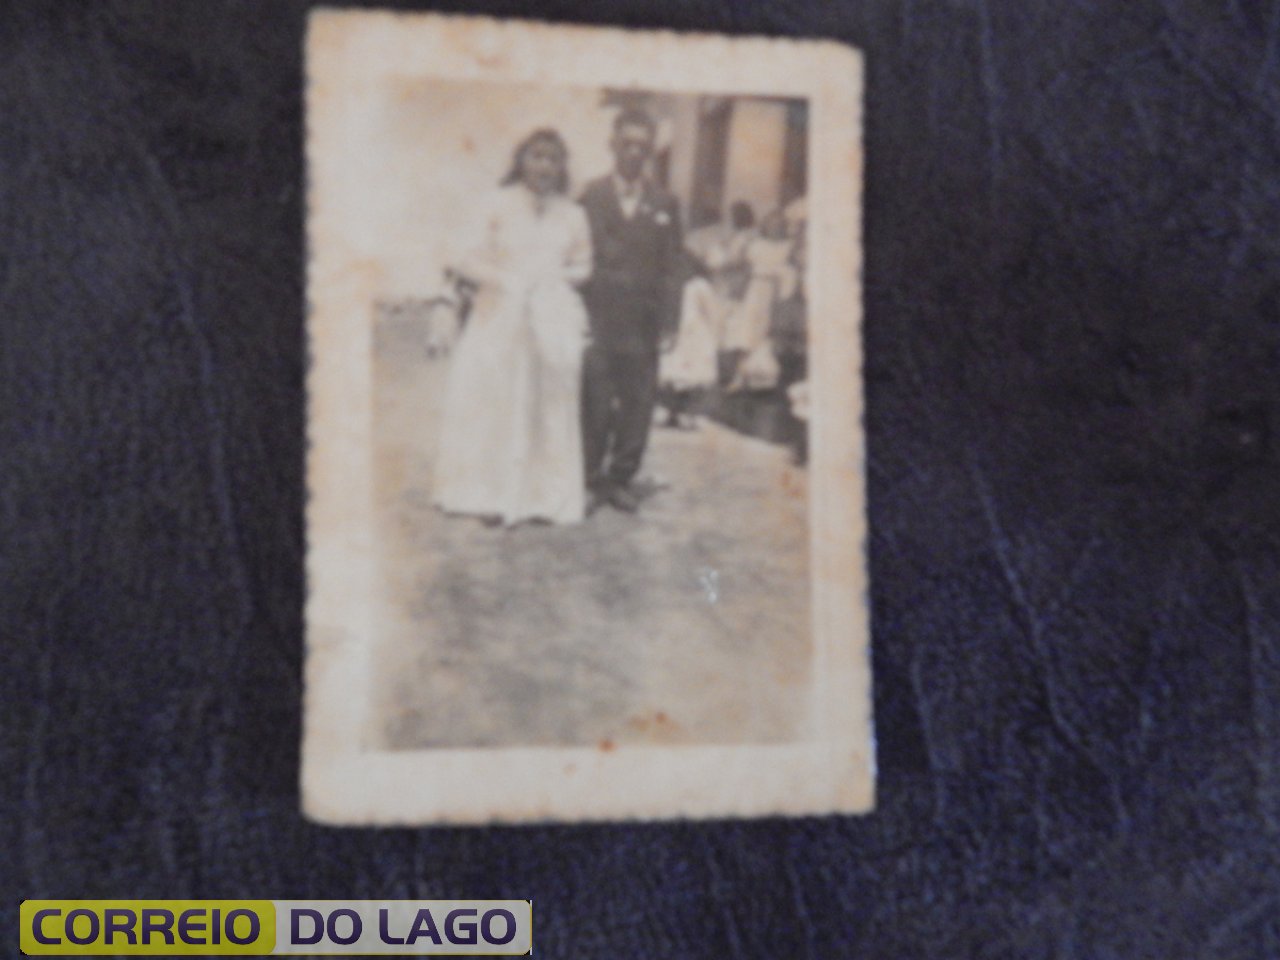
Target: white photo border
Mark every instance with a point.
(346, 781)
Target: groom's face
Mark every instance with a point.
(632, 144)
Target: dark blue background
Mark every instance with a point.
(1072, 352)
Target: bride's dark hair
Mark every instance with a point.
(547, 135)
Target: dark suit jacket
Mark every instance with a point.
(633, 294)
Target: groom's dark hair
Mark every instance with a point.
(635, 117)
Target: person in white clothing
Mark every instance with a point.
(510, 446)
(773, 279)
(690, 366)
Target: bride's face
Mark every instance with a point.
(542, 167)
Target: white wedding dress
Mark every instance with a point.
(511, 441)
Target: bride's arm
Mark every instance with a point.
(481, 271)
(579, 259)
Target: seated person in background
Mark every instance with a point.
(731, 277)
(773, 280)
(788, 332)
(690, 366)
(719, 244)
(788, 328)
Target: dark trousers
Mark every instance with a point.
(618, 393)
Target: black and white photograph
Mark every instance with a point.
(571, 506)
(589, 463)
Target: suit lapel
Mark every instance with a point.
(613, 204)
(646, 204)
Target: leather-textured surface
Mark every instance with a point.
(1072, 352)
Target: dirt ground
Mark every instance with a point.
(687, 622)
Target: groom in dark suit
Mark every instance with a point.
(632, 299)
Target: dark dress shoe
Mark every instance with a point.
(620, 498)
(595, 500)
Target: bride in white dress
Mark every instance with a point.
(511, 442)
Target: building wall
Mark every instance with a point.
(443, 145)
(450, 144)
(757, 146)
(683, 120)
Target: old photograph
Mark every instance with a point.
(585, 530)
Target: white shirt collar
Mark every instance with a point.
(629, 194)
